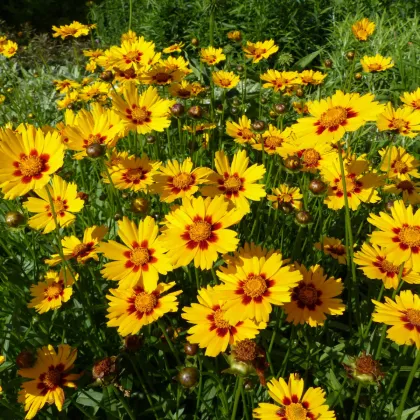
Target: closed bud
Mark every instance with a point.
(358, 76)
(240, 69)
(264, 100)
(133, 343)
(364, 369)
(249, 385)
(236, 102)
(195, 42)
(316, 186)
(105, 371)
(190, 349)
(195, 112)
(188, 376)
(234, 110)
(177, 110)
(151, 139)
(258, 125)
(139, 205)
(328, 63)
(303, 217)
(25, 359)
(280, 108)
(95, 150)
(107, 76)
(299, 92)
(117, 217)
(286, 208)
(292, 163)
(389, 205)
(14, 219)
(350, 55)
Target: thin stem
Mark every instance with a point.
(130, 15)
(168, 340)
(237, 395)
(356, 401)
(124, 403)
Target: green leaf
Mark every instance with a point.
(304, 61)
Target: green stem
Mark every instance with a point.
(211, 25)
(200, 388)
(244, 403)
(356, 401)
(130, 15)
(170, 344)
(237, 395)
(124, 403)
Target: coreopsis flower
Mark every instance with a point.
(236, 182)
(252, 285)
(142, 113)
(93, 54)
(300, 107)
(66, 85)
(129, 76)
(280, 80)
(399, 235)
(293, 404)
(311, 77)
(241, 131)
(140, 259)
(134, 173)
(374, 263)
(199, 128)
(314, 297)
(54, 290)
(398, 163)
(75, 30)
(131, 309)
(364, 368)
(404, 316)
(28, 159)
(376, 64)
(332, 117)
(96, 92)
(80, 250)
(91, 66)
(177, 180)
(212, 330)
(65, 202)
(360, 184)
(185, 89)
(259, 50)
(130, 36)
(235, 35)
(50, 373)
(333, 247)
(272, 139)
(362, 29)
(212, 56)
(409, 190)
(161, 75)
(9, 49)
(411, 99)
(70, 99)
(197, 231)
(225, 79)
(177, 64)
(174, 48)
(404, 121)
(287, 196)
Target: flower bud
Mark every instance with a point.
(234, 110)
(364, 369)
(25, 359)
(83, 196)
(105, 371)
(358, 76)
(292, 163)
(350, 55)
(107, 76)
(303, 218)
(117, 217)
(389, 205)
(150, 139)
(328, 63)
(190, 349)
(188, 376)
(316, 186)
(236, 102)
(258, 125)
(177, 110)
(240, 69)
(132, 343)
(286, 208)
(195, 112)
(299, 92)
(14, 219)
(264, 100)
(95, 150)
(139, 205)
(195, 42)
(280, 108)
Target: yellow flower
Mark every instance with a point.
(54, 290)
(410, 190)
(311, 77)
(93, 53)
(294, 406)
(236, 182)
(404, 316)
(404, 121)
(91, 66)
(75, 29)
(286, 195)
(376, 63)
(199, 128)
(131, 309)
(314, 297)
(174, 48)
(70, 99)
(9, 49)
(272, 139)
(2, 359)
(65, 201)
(140, 260)
(280, 80)
(333, 247)
(179, 180)
(332, 117)
(98, 91)
(28, 159)
(397, 162)
(197, 231)
(212, 56)
(80, 250)
(411, 99)
(362, 29)
(225, 79)
(374, 263)
(259, 50)
(66, 85)
(241, 131)
(130, 36)
(142, 113)
(185, 89)
(50, 373)
(235, 35)
(211, 329)
(161, 75)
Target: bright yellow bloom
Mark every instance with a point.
(409, 190)
(333, 247)
(93, 53)
(9, 49)
(66, 85)
(272, 138)
(50, 293)
(212, 330)
(140, 260)
(28, 159)
(142, 113)
(374, 263)
(96, 92)
(404, 316)
(225, 79)
(131, 309)
(332, 117)
(80, 250)
(280, 80)
(235, 35)
(399, 234)
(399, 164)
(130, 36)
(241, 131)
(286, 195)
(75, 29)
(212, 56)
(197, 231)
(411, 99)
(404, 121)
(259, 50)
(362, 29)
(376, 63)
(294, 406)
(185, 89)
(311, 77)
(91, 66)
(161, 75)
(236, 182)
(199, 128)
(70, 99)
(179, 180)
(2, 359)
(174, 48)
(49, 375)
(252, 285)
(176, 64)
(314, 297)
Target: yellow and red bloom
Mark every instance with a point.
(131, 309)
(314, 297)
(286, 195)
(212, 56)
(225, 79)
(75, 30)
(397, 162)
(174, 48)
(404, 121)
(409, 190)
(376, 64)
(411, 99)
(311, 77)
(50, 373)
(404, 316)
(362, 29)
(28, 159)
(235, 35)
(241, 131)
(280, 80)
(9, 49)
(292, 404)
(236, 182)
(272, 139)
(212, 330)
(333, 247)
(161, 75)
(95, 92)
(141, 258)
(66, 85)
(259, 50)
